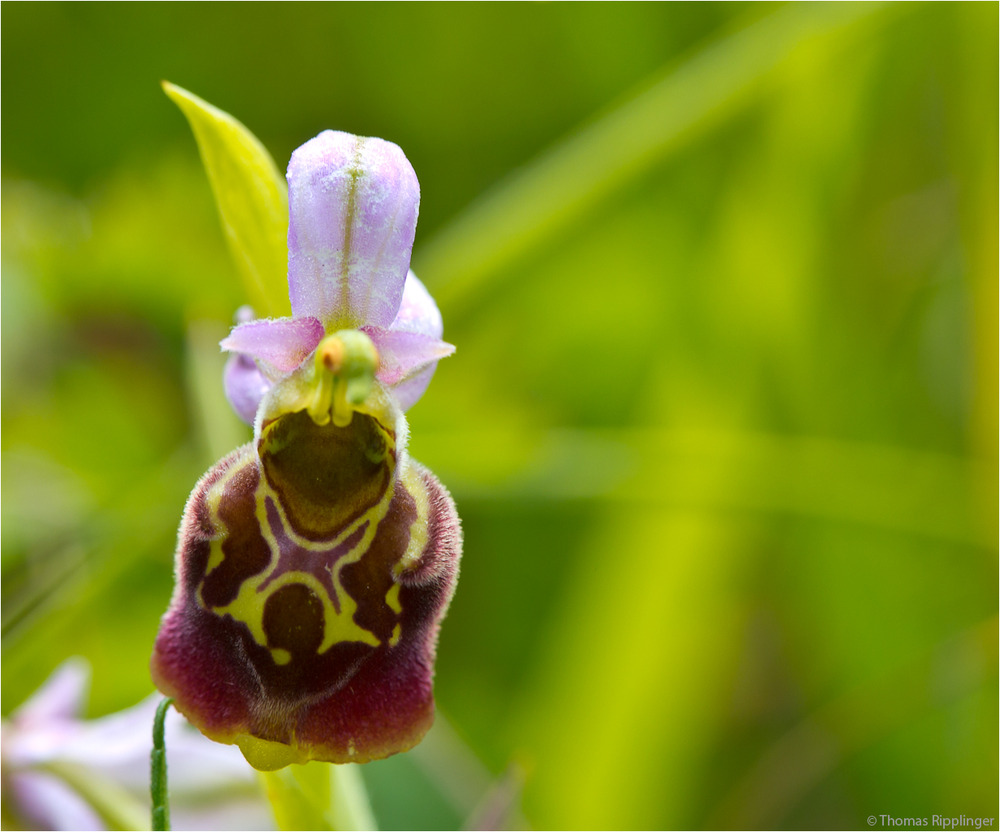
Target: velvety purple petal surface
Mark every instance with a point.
(352, 206)
(280, 344)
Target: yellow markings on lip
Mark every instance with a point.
(373, 517)
(213, 498)
(392, 599)
(248, 606)
(337, 626)
(419, 527)
(215, 556)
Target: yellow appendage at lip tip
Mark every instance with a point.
(267, 755)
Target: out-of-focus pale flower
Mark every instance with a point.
(63, 772)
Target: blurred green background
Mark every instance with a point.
(722, 422)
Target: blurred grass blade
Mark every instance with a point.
(816, 746)
(450, 763)
(903, 490)
(549, 194)
(252, 197)
(216, 426)
(651, 641)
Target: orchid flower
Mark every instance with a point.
(315, 563)
(63, 772)
(353, 206)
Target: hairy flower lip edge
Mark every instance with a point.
(398, 681)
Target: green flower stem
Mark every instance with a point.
(158, 770)
(319, 796)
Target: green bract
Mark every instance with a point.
(251, 195)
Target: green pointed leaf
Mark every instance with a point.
(252, 197)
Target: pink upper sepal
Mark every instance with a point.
(352, 206)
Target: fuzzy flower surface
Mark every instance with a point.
(315, 563)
